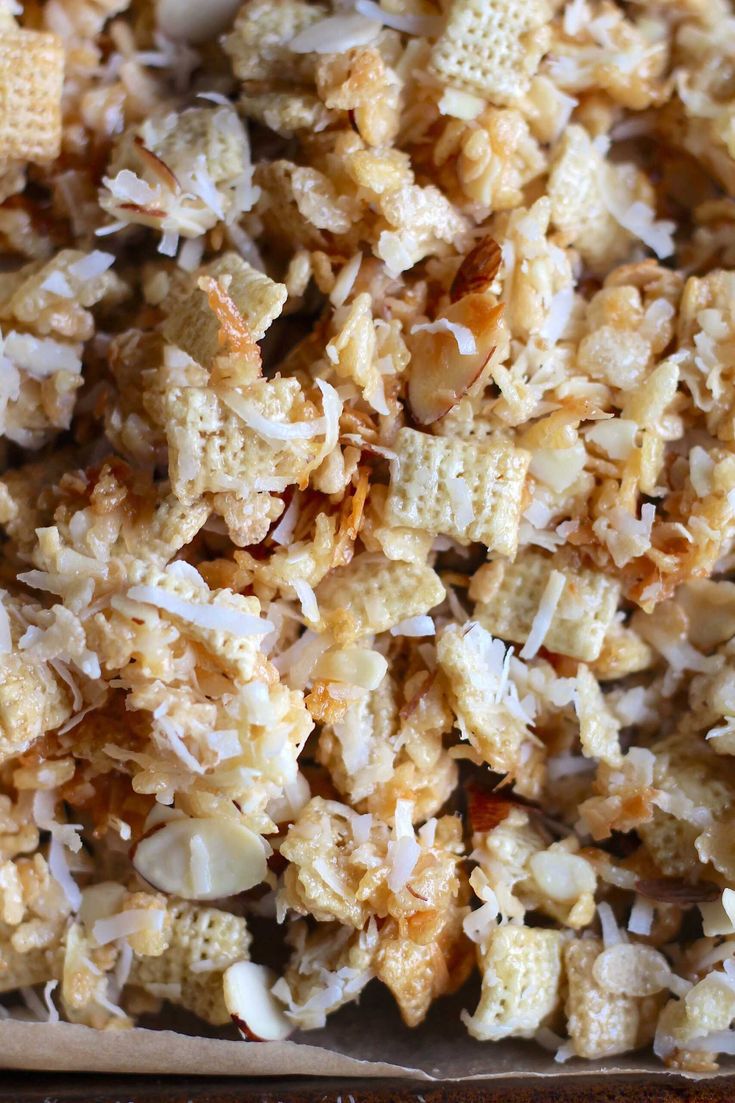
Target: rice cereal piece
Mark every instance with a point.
(85, 981)
(583, 614)
(492, 48)
(372, 594)
(172, 526)
(499, 156)
(521, 982)
(359, 81)
(602, 1023)
(471, 491)
(504, 839)
(705, 327)
(287, 113)
(344, 867)
(55, 297)
(192, 324)
(199, 936)
(31, 77)
(327, 862)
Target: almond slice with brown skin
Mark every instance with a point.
(478, 269)
(201, 859)
(253, 1007)
(440, 374)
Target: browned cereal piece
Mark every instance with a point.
(472, 663)
(492, 47)
(521, 983)
(582, 617)
(372, 594)
(199, 936)
(33, 700)
(602, 1023)
(418, 973)
(623, 652)
(211, 448)
(23, 970)
(473, 492)
(31, 76)
(377, 756)
(193, 325)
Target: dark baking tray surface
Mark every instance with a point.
(25, 1087)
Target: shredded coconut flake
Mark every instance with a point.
(91, 266)
(546, 610)
(461, 499)
(307, 598)
(57, 284)
(283, 531)
(403, 854)
(59, 866)
(265, 427)
(218, 618)
(641, 916)
(464, 336)
(414, 626)
(345, 280)
(335, 34)
(429, 26)
(123, 924)
(611, 933)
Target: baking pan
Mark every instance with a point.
(76, 1088)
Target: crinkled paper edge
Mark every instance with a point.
(63, 1047)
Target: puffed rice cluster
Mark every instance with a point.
(367, 438)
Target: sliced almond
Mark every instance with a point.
(562, 876)
(250, 1002)
(100, 901)
(440, 374)
(478, 269)
(356, 666)
(201, 859)
(159, 814)
(189, 21)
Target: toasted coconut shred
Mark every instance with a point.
(367, 498)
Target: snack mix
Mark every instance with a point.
(367, 438)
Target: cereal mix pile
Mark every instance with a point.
(367, 500)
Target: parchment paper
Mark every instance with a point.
(360, 1041)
